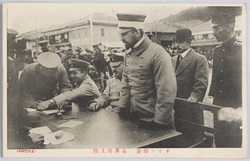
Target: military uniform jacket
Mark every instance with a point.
(111, 94)
(192, 75)
(34, 86)
(226, 87)
(149, 83)
(86, 92)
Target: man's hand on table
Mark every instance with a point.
(36, 138)
(44, 105)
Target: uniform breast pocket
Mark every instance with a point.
(139, 94)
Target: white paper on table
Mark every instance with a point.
(40, 130)
(71, 124)
(48, 112)
(30, 109)
(63, 137)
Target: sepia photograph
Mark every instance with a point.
(124, 80)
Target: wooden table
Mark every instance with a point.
(105, 129)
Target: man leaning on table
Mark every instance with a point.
(86, 89)
(148, 82)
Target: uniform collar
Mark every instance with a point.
(140, 46)
(229, 42)
(139, 42)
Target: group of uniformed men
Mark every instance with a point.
(146, 79)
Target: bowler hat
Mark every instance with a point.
(184, 34)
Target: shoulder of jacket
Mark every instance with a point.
(31, 66)
(238, 42)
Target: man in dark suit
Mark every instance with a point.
(191, 71)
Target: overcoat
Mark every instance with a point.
(226, 88)
(149, 83)
(192, 81)
(192, 75)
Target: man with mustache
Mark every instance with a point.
(226, 87)
(191, 70)
(148, 81)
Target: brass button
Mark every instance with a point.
(221, 60)
(220, 91)
(221, 81)
(221, 70)
(223, 49)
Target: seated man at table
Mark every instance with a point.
(111, 94)
(43, 80)
(86, 89)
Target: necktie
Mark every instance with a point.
(179, 59)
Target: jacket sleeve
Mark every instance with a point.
(25, 98)
(201, 78)
(125, 91)
(64, 83)
(212, 86)
(83, 91)
(104, 99)
(165, 83)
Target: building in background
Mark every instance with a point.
(83, 33)
(160, 33)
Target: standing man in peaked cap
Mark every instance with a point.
(41, 81)
(191, 71)
(148, 82)
(226, 87)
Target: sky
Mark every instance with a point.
(25, 17)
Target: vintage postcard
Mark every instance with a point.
(133, 80)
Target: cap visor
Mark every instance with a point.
(115, 64)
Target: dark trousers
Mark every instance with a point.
(228, 134)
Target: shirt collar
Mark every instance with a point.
(139, 42)
(185, 53)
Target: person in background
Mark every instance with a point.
(85, 88)
(111, 95)
(191, 70)
(226, 87)
(44, 46)
(148, 81)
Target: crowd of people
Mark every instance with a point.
(146, 80)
